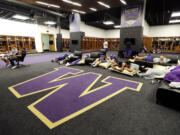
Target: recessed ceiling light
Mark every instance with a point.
(108, 22)
(103, 4)
(73, 3)
(117, 26)
(93, 9)
(78, 11)
(123, 2)
(174, 21)
(21, 17)
(47, 4)
(50, 22)
(175, 14)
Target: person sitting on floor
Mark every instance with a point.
(161, 59)
(18, 57)
(126, 66)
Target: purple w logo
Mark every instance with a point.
(70, 96)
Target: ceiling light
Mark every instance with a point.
(108, 22)
(78, 11)
(117, 26)
(47, 4)
(73, 3)
(103, 4)
(123, 2)
(175, 14)
(93, 9)
(174, 21)
(21, 17)
(50, 23)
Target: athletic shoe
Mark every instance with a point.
(61, 62)
(139, 74)
(9, 65)
(68, 64)
(93, 65)
(14, 67)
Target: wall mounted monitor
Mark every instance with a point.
(129, 41)
(74, 42)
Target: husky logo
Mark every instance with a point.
(69, 96)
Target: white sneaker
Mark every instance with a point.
(68, 64)
(14, 67)
(9, 65)
(61, 62)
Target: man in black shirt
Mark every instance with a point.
(19, 57)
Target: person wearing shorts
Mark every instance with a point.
(161, 59)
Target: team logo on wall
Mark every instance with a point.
(131, 16)
(69, 97)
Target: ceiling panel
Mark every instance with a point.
(158, 12)
(86, 4)
(90, 18)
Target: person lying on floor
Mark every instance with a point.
(161, 59)
(67, 59)
(125, 66)
(103, 59)
(18, 57)
(173, 77)
(78, 61)
(100, 60)
(152, 73)
(61, 58)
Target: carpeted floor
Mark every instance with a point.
(128, 113)
(44, 57)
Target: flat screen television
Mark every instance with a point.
(129, 41)
(74, 42)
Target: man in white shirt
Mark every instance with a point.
(105, 45)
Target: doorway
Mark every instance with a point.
(48, 42)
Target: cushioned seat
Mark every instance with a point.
(103, 51)
(77, 55)
(168, 96)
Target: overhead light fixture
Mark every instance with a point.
(117, 26)
(108, 22)
(78, 11)
(123, 2)
(73, 3)
(175, 14)
(47, 4)
(103, 4)
(50, 23)
(93, 9)
(174, 21)
(20, 17)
